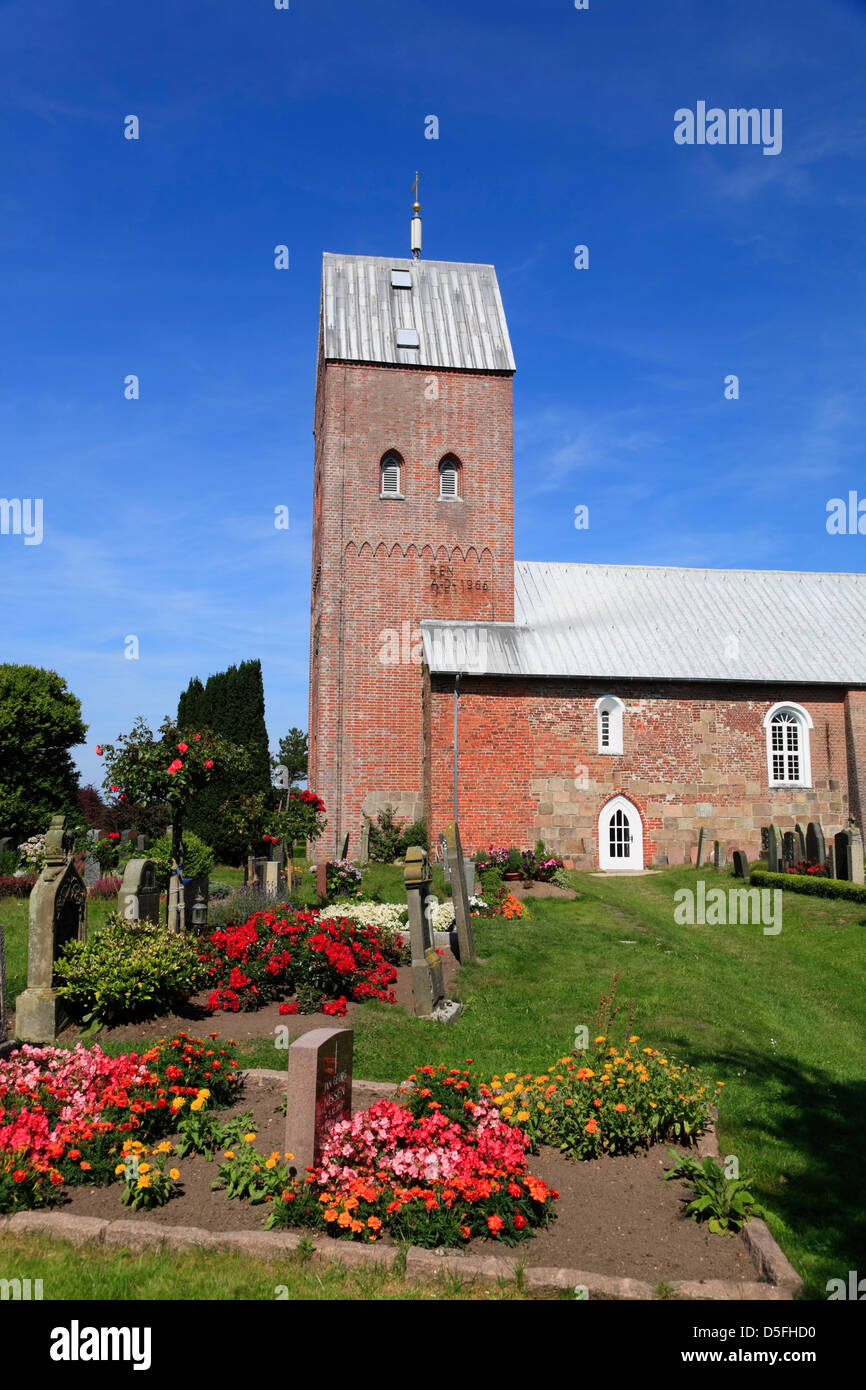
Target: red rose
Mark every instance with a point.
(99, 750)
(196, 735)
(208, 762)
(182, 747)
(113, 835)
(115, 789)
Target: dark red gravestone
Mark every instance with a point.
(322, 881)
(320, 1092)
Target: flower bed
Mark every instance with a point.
(268, 957)
(437, 1171)
(613, 1102)
(66, 1114)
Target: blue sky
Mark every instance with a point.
(305, 127)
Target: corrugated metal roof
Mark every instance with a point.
(661, 623)
(455, 308)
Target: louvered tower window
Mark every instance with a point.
(609, 712)
(449, 470)
(390, 469)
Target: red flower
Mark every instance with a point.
(175, 767)
(115, 789)
(519, 1221)
(495, 1223)
(208, 762)
(98, 750)
(182, 747)
(19, 1175)
(288, 1008)
(113, 835)
(196, 735)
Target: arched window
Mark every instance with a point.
(449, 477)
(788, 761)
(609, 712)
(391, 469)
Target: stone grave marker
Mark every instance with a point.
(765, 840)
(142, 842)
(789, 849)
(800, 841)
(319, 1092)
(364, 852)
(661, 859)
(855, 854)
(125, 836)
(272, 878)
(675, 855)
(702, 835)
(92, 871)
(344, 852)
(843, 855)
(459, 894)
(718, 855)
(58, 913)
(741, 864)
(417, 879)
(816, 850)
(831, 859)
(774, 853)
(4, 1015)
(138, 898)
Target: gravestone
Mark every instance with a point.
(765, 840)
(702, 835)
(789, 849)
(831, 860)
(800, 841)
(4, 1016)
(855, 854)
(816, 851)
(741, 864)
(345, 849)
(459, 894)
(319, 1092)
(138, 898)
(6, 842)
(125, 836)
(322, 881)
(92, 871)
(774, 853)
(661, 859)
(94, 834)
(250, 872)
(272, 878)
(142, 842)
(364, 852)
(843, 855)
(277, 853)
(417, 879)
(675, 855)
(58, 913)
(718, 855)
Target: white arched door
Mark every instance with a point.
(620, 836)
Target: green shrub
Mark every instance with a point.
(514, 863)
(130, 971)
(417, 835)
(8, 862)
(386, 838)
(808, 883)
(198, 858)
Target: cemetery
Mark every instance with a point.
(342, 1051)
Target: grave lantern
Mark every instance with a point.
(199, 911)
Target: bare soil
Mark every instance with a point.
(615, 1216)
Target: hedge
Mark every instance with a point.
(808, 883)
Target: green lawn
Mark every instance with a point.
(778, 1019)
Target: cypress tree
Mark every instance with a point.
(231, 703)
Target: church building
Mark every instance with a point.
(611, 710)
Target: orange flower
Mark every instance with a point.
(591, 1127)
(495, 1224)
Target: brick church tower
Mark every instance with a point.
(413, 513)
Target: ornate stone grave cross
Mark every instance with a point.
(58, 913)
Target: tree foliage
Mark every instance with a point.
(231, 704)
(40, 720)
(293, 757)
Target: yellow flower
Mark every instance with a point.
(229, 1153)
(164, 1148)
(510, 1076)
(601, 1038)
(271, 1163)
(290, 1155)
(121, 1168)
(178, 1103)
(522, 1115)
(204, 1094)
(508, 1111)
(635, 1038)
(144, 1167)
(144, 1181)
(174, 1174)
(197, 1104)
(249, 1138)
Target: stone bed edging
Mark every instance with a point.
(137, 1236)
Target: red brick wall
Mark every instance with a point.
(693, 755)
(374, 561)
